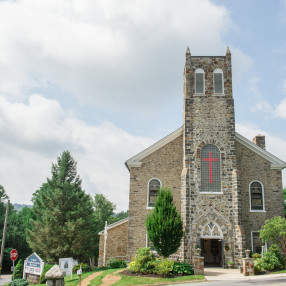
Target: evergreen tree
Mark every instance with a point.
(63, 225)
(164, 224)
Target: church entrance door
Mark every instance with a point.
(212, 252)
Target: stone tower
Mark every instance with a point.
(210, 192)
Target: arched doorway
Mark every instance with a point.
(211, 243)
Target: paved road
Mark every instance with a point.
(279, 281)
(5, 279)
(232, 277)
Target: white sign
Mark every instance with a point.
(67, 264)
(33, 264)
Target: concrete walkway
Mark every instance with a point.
(217, 273)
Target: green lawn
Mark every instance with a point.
(279, 272)
(71, 282)
(133, 280)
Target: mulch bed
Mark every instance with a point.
(128, 273)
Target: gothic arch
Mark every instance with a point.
(212, 215)
(211, 230)
(212, 142)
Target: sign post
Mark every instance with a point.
(13, 256)
(79, 272)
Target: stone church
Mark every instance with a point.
(224, 185)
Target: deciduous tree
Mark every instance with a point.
(274, 231)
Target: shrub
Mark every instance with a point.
(143, 262)
(274, 249)
(258, 265)
(182, 268)
(18, 273)
(116, 263)
(256, 255)
(84, 268)
(47, 267)
(19, 282)
(164, 267)
(271, 261)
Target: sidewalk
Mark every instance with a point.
(5, 278)
(220, 274)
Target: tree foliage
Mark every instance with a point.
(284, 197)
(102, 213)
(16, 231)
(164, 224)
(274, 231)
(63, 224)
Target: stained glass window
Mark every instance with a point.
(210, 169)
(199, 81)
(154, 186)
(256, 196)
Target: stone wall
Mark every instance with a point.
(116, 244)
(253, 167)
(164, 164)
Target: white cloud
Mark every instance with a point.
(274, 144)
(34, 134)
(280, 109)
(107, 53)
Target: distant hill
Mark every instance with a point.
(18, 207)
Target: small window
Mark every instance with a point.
(256, 242)
(199, 81)
(210, 169)
(256, 197)
(153, 190)
(218, 81)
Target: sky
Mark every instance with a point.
(104, 80)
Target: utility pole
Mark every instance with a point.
(4, 236)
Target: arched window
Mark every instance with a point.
(210, 169)
(256, 196)
(199, 81)
(153, 189)
(218, 81)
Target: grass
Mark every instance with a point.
(133, 280)
(279, 272)
(72, 282)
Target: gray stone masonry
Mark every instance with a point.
(209, 119)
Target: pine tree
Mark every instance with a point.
(63, 225)
(164, 224)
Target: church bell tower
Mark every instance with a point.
(210, 193)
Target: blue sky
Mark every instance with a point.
(103, 79)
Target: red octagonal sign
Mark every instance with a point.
(13, 254)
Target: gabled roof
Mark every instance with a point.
(114, 225)
(135, 161)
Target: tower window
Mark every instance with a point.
(153, 191)
(199, 81)
(210, 169)
(218, 81)
(256, 196)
